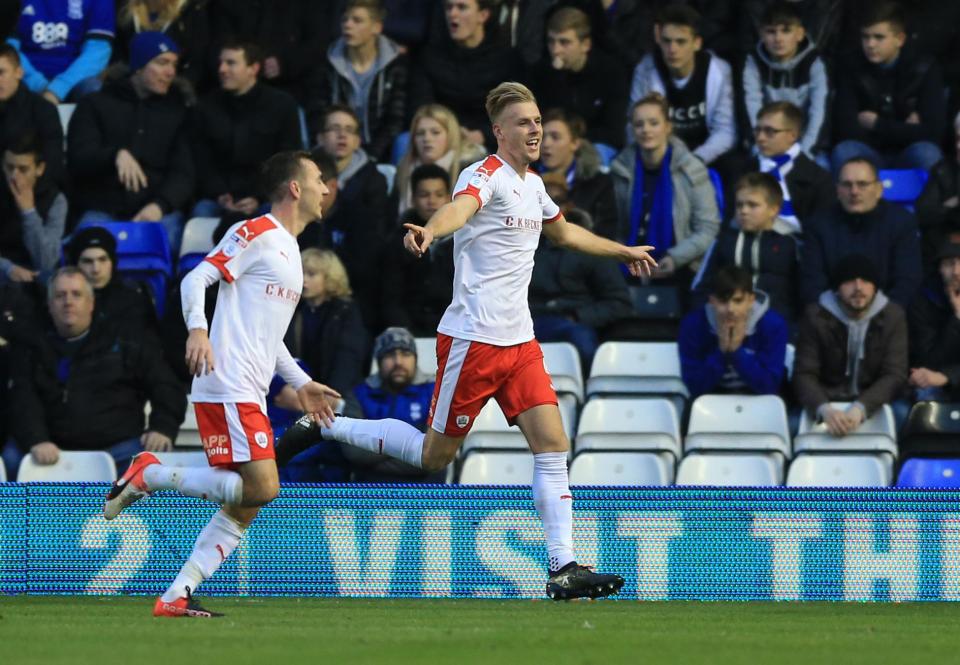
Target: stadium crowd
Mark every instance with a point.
(742, 138)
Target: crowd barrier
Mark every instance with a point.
(487, 542)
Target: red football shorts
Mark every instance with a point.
(234, 433)
(470, 373)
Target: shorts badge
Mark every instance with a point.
(462, 421)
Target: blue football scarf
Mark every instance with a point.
(660, 228)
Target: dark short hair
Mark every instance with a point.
(570, 18)
(780, 13)
(791, 113)
(27, 143)
(861, 160)
(374, 8)
(682, 15)
(324, 162)
(576, 125)
(8, 51)
(728, 280)
(763, 182)
(338, 108)
(252, 53)
(429, 172)
(279, 170)
(885, 12)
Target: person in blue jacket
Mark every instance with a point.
(735, 343)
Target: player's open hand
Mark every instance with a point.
(317, 400)
(417, 240)
(199, 352)
(639, 261)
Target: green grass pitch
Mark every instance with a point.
(285, 631)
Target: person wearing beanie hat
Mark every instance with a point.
(851, 347)
(128, 144)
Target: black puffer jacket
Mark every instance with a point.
(155, 131)
(935, 334)
(27, 112)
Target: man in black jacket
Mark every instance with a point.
(128, 147)
(862, 223)
(237, 128)
(84, 385)
(889, 106)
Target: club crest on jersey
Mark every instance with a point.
(462, 421)
(261, 439)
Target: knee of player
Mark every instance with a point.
(261, 494)
(434, 461)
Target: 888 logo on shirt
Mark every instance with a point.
(50, 35)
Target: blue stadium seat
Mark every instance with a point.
(607, 153)
(399, 147)
(717, 189)
(919, 472)
(903, 186)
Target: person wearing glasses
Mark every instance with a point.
(807, 188)
(862, 223)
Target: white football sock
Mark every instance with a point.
(384, 437)
(211, 484)
(214, 544)
(554, 502)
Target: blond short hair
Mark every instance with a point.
(505, 95)
(335, 280)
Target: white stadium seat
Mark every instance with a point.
(843, 470)
(731, 469)
(877, 434)
(620, 423)
(73, 466)
(497, 468)
(738, 422)
(182, 458)
(189, 435)
(3, 472)
(637, 368)
(198, 235)
(491, 431)
(568, 406)
(622, 468)
(563, 363)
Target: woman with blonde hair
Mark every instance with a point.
(327, 331)
(435, 138)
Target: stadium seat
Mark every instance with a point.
(491, 431)
(877, 434)
(738, 422)
(788, 360)
(426, 356)
(497, 468)
(3, 472)
(622, 468)
(569, 408)
(934, 473)
(932, 430)
(717, 183)
(182, 458)
(903, 186)
(844, 470)
(388, 171)
(399, 147)
(196, 243)
(629, 424)
(563, 363)
(189, 435)
(731, 469)
(638, 368)
(73, 466)
(653, 301)
(607, 154)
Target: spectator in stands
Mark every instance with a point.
(754, 244)
(128, 148)
(397, 390)
(938, 207)
(580, 79)
(517, 24)
(23, 112)
(852, 347)
(567, 154)
(457, 72)
(934, 321)
(292, 34)
(821, 20)
(84, 384)
(64, 46)
(574, 296)
(807, 188)
(18, 329)
(697, 84)
(368, 72)
(34, 214)
(663, 192)
(786, 67)
(862, 222)
(186, 22)
(416, 292)
(327, 332)
(435, 138)
(890, 102)
(735, 343)
(236, 129)
(119, 301)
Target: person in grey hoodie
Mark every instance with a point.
(786, 67)
(366, 71)
(663, 193)
(852, 347)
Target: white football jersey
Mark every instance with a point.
(493, 254)
(262, 280)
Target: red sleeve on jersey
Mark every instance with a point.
(219, 261)
(245, 234)
(553, 219)
(471, 191)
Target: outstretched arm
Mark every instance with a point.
(564, 234)
(448, 219)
